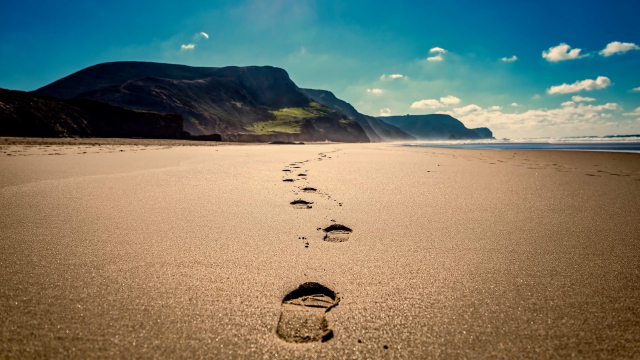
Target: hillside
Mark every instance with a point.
(27, 114)
(376, 129)
(437, 127)
(255, 102)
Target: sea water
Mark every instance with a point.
(621, 143)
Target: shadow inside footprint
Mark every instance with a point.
(301, 204)
(337, 233)
(309, 190)
(287, 180)
(302, 318)
(302, 174)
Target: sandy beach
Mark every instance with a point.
(164, 251)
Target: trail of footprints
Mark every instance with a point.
(302, 317)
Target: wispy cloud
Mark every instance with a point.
(434, 103)
(578, 98)
(374, 91)
(466, 109)
(439, 51)
(635, 89)
(509, 59)
(188, 47)
(202, 34)
(385, 112)
(515, 104)
(635, 112)
(562, 52)
(617, 47)
(391, 77)
(600, 83)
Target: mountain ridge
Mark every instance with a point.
(437, 127)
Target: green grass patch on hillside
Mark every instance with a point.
(289, 120)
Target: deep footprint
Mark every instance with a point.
(301, 204)
(310, 190)
(287, 180)
(302, 318)
(337, 233)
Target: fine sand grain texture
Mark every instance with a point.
(197, 252)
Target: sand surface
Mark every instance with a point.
(188, 252)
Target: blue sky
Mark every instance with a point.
(347, 46)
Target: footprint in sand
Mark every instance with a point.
(302, 318)
(337, 233)
(302, 174)
(287, 180)
(309, 190)
(301, 204)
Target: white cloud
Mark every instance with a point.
(439, 51)
(385, 112)
(600, 83)
(617, 47)
(569, 120)
(495, 108)
(635, 112)
(449, 100)
(434, 103)
(374, 91)
(427, 104)
(562, 52)
(467, 109)
(635, 89)
(188, 47)
(391, 77)
(578, 98)
(514, 104)
(202, 34)
(568, 103)
(536, 97)
(510, 59)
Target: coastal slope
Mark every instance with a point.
(376, 129)
(259, 103)
(28, 114)
(437, 127)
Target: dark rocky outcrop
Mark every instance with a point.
(377, 130)
(257, 103)
(437, 127)
(30, 115)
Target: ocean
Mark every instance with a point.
(620, 143)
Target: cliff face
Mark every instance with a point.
(26, 114)
(237, 102)
(437, 127)
(376, 129)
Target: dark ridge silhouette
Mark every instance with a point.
(31, 115)
(437, 127)
(377, 130)
(240, 103)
